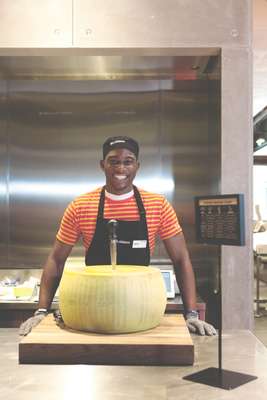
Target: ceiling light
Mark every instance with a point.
(260, 141)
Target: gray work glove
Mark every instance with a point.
(30, 323)
(196, 325)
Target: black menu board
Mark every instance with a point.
(220, 219)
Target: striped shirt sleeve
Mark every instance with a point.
(69, 231)
(169, 225)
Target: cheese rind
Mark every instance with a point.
(100, 299)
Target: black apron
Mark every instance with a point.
(132, 238)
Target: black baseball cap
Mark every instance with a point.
(120, 142)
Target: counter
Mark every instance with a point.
(13, 313)
(243, 352)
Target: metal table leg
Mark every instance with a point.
(258, 263)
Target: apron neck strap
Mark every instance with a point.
(139, 203)
(100, 213)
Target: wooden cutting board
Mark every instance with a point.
(168, 344)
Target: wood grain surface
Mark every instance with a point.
(168, 344)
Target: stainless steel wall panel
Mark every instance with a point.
(103, 67)
(172, 23)
(55, 148)
(56, 129)
(190, 144)
(31, 23)
(118, 23)
(4, 225)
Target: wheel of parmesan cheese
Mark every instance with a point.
(100, 299)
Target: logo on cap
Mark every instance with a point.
(117, 141)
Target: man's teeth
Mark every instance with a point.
(120, 177)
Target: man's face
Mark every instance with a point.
(120, 167)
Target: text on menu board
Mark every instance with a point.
(220, 219)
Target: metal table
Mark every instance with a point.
(243, 352)
(260, 252)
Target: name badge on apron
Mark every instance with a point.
(139, 244)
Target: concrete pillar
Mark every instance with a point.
(236, 177)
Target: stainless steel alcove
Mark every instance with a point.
(60, 110)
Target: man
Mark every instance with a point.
(140, 216)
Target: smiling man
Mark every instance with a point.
(141, 217)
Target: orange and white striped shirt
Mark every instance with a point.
(79, 218)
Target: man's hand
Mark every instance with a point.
(30, 323)
(196, 325)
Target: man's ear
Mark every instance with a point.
(138, 164)
(102, 164)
